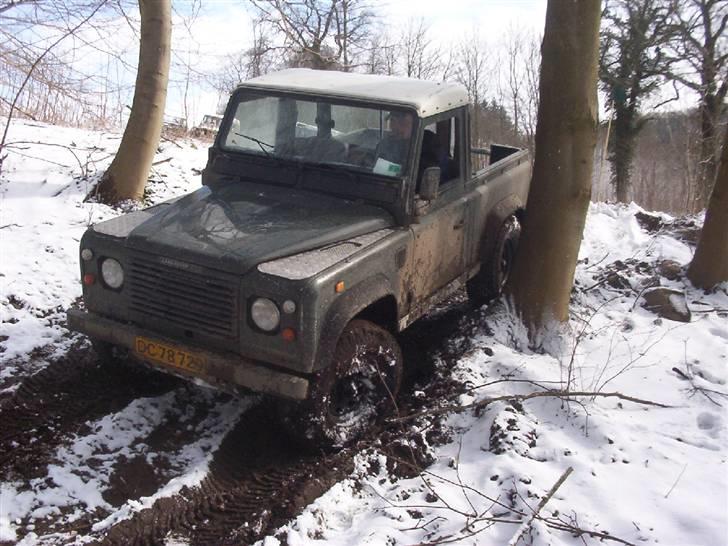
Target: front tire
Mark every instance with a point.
(488, 284)
(345, 399)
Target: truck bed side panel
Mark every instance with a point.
(500, 190)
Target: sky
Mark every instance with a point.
(223, 27)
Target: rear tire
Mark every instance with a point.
(493, 275)
(345, 399)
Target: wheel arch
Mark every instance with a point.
(372, 299)
(510, 206)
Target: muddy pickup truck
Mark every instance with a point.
(335, 209)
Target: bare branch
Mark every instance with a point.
(562, 394)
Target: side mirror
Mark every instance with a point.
(430, 183)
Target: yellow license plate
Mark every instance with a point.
(154, 351)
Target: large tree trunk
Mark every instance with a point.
(710, 263)
(710, 111)
(128, 172)
(622, 153)
(561, 188)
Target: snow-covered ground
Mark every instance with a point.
(42, 218)
(641, 473)
(644, 474)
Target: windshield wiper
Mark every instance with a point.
(258, 142)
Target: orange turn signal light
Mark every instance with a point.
(340, 287)
(288, 334)
(89, 279)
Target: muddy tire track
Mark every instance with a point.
(257, 481)
(55, 403)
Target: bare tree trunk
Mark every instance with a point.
(561, 188)
(623, 148)
(710, 112)
(701, 25)
(128, 172)
(710, 263)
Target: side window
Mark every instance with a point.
(441, 148)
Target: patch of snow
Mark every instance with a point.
(82, 469)
(641, 473)
(679, 304)
(42, 188)
(646, 474)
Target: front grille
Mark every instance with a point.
(197, 300)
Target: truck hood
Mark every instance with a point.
(238, 226)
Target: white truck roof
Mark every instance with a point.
(426, 97)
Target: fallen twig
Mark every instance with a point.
(677, 480)
(566, 395)
(11, 145)
(578, 531)
(165, 139)
(527, 522)
(597, 262)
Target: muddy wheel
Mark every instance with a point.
(346, 398)
(493, 275)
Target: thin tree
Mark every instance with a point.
(380, 52)
(710, 263)
(28, 69)
(514, 81)
(127, 175)
(471, 60)
(319, 34)
(632, 66)
(259, 58)
(531, 67)
(185, 61)
(565, 138)
(703, 48)
(353, 22)
(421, 58)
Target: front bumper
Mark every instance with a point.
(224, 370)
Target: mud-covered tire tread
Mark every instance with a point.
(310, 422)
(488, 283)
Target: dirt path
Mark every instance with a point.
(54, 404)
(257, 479)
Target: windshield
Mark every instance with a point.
(366, 139)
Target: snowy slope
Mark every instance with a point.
(642, 473)
(42, 218)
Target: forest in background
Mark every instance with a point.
(65, 63)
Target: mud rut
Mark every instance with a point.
(257, 480)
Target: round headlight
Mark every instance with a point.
(265, 314)
(112, 273)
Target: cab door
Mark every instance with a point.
(439, 233)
